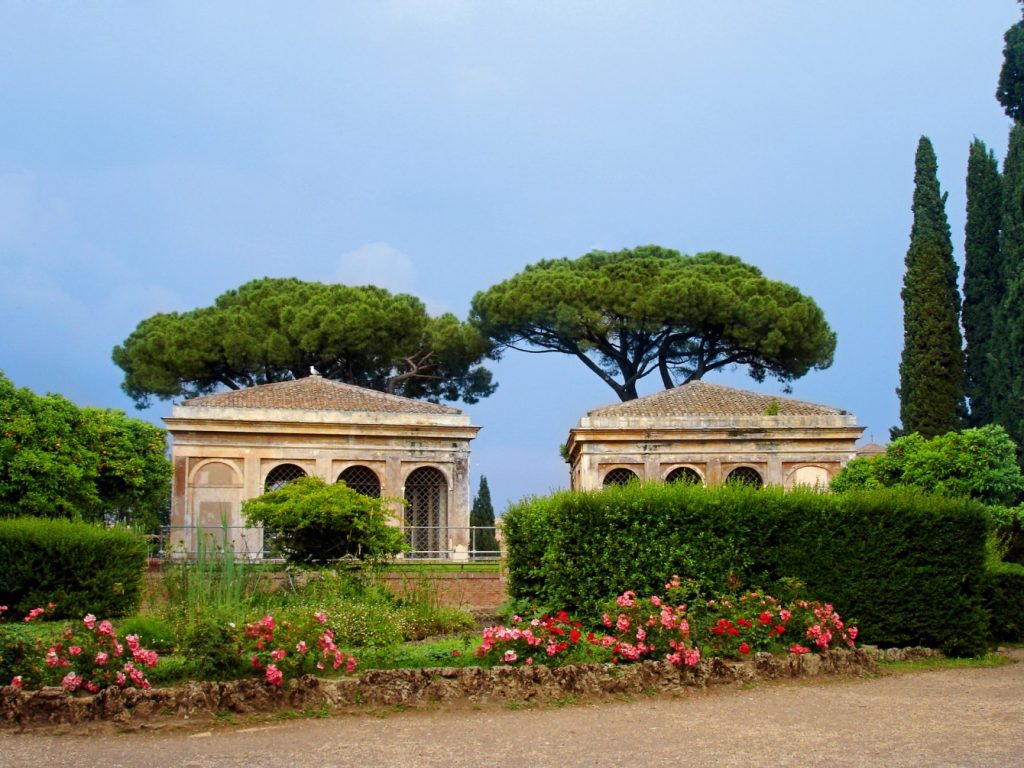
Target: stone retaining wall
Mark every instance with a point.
(417, 687)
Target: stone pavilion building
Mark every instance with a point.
(235, 445)
(708, 433)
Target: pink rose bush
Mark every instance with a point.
(91, 657)
(737, 626)
(667, 628)
(281, 651)
(650, 628)
(548, 640)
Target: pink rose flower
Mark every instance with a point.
(274, 675)
(89, 621)
(16, 681)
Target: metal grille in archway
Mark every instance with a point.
(619, 476)
(684, 475)
(746, 476)
(281, 475)
(426, 513)
(361, 480)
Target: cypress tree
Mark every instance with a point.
(1008, 335)
(983, 280)
(931, 387)
(1010, 92)
(482, 514)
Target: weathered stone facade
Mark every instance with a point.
(706, 433)
(233, 446)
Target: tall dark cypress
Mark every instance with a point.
(1008, 337)
(481, 517)
(984, 286)
(931, 387)
(1010, 92)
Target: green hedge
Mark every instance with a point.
(909, 568)
(1004, 599)
(80, 567)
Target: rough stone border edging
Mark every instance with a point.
(416, 687)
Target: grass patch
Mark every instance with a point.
(450, 652)
(921, 665)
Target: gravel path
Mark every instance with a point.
(962, 717)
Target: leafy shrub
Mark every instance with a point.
(59, 460)
(910, 567)
(152, 631)
(213, 650)
(1008, 533)
(20, 643)
(1004, 600)
(80, 567)
(317, 522)
(975, 463)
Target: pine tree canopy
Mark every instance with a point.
(627, 314)
(276, 329)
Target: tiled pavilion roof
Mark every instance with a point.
(318, 394)
(699, 398)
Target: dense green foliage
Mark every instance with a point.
(627, 314)
(984, 287)
(931, 387)
(482, 514)
(1010, 92)
(907, 568)
(59, 460)
(80, 567)
(318, 522)
(977, 463)
(276, 329)
(1004, 599)
(1007, 350)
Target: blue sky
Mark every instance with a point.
(154, 155)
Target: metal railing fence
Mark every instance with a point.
(426, 542)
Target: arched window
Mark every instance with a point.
(684, 475)
(281, 475)
(816, 478)
(216, 505)
(426, 513)
(746, 476)
(361, 480)
(619, 476)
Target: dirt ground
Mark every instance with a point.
(959, 717)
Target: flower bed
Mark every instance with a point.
(413, 688)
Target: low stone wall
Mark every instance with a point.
(415, 687)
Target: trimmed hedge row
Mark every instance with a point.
(80, 567)
(908, 568)
(1004, 598)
